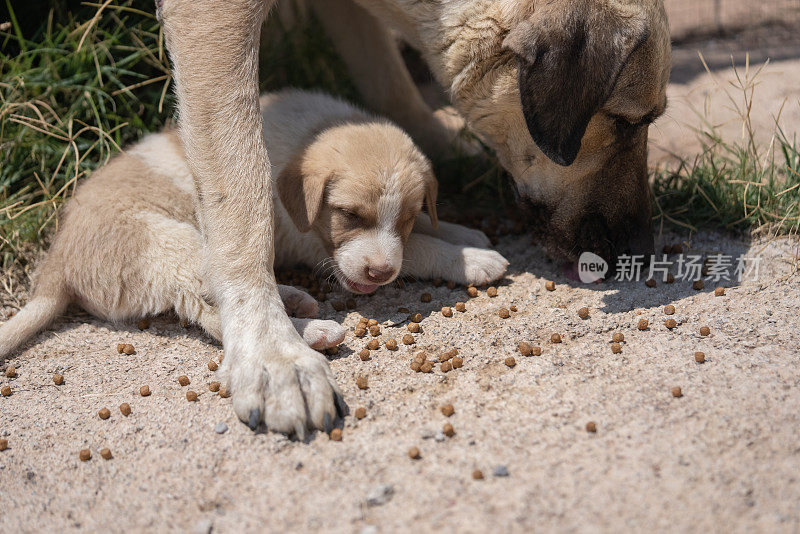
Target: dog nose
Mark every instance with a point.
(378, 274)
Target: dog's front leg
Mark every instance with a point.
(428, 257)
(274, 377)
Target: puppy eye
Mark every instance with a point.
(349, 215)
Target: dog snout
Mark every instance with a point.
(378, 274)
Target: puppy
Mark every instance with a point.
(350, 193)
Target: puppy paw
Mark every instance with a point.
(319, 334)
(298, 303)
(461, 235)
(482, 266)
(284, 385)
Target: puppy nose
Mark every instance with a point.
(378, 274)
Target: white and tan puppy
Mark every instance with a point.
(351, 190)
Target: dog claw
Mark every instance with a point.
(255, 418)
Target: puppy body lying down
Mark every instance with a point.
(349, 188)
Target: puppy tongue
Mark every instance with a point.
(362, 288)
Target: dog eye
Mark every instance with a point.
(349, 215)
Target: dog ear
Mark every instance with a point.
(301, 191)
(569, 60)
(431, 192)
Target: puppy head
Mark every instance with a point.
(359, 188)
(582, 82)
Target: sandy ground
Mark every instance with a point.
(724, 457)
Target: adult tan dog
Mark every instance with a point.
(563, 90)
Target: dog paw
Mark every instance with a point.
(286, 386)
(319, 334)
(298, 303)
(482, 266)
(461, 235)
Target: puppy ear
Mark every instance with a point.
(569, 60)
(301, 192)
(431, 192)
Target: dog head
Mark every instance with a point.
(359, 187)
(575, 87)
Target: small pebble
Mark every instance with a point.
(705, 331)
(364, 355)
(214, 387)
(414, 328)
(448, 430)
(511, 362)
(85, 455)
(504, 313)
(221, 427)
(555, 338)
(361, 382)
(447, 311)
(550, 285)
(183, 380)
(125, 408)
(583, 313)
(472, 291)
(104, 413)
(413, 453)
(643, 324)
(719, 292)
(425, 297)
(477, 474)
(448, 410)
(212, 365)
(361, 412)
(191, 396)
(336, 434)
(670, 323)
(669, 309)
(491, 291)
(106, 454)
(391, 344)
(698, 285)
(408, 339)
(373, 344)
(58, 379)
(676, 392)
(11, 371)
(591, 427)
(461, 307)
(700, 357)
(500, 471)
(144, 391)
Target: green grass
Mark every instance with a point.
(80, 80)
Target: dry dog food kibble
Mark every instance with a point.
(364, 355)
(361, 412)
(650, 282)
(128, 349)
(511, 362)
(670, 323)
(372, 322)
(104, 413)
(477, 474)
(361, 382)
(583, 313)
(446, 367)
(360, 331)
(448, 410)
(425, 297)
(144, 391)
(416, 318)
(700, 357)
(214, 387)
(504, 313)
(461, 307)
(669, 309)
(125, 408)
(670, 278)
(106, 454)
(224, 393)
(413, 453)
(391, 344)
(3, 444)
(374, 330)
(676, 392)
(448, 430)
(336, 434)
(555, 338)
(212, 365)
(719, 292)
(426, 367)
(191, 396)
(472, 291)
(705, 331)
(616, 348)
(447, 311)
(550, 285)
(491, 291)
(338, 305)
(85, 455)
(373, 344)
(618, 337)
(591, 427)
(183, 380)
(58, 379)
(526, 349)
(698, 285)
(643, 324)
(143, 324)
(120, 348)
(11, 371)
(513, 308)
(351, 304)
(5, 391)
(451, 285)
(458, 362)
(414, 328)
(408, 339)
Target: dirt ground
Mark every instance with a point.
(723, 457)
